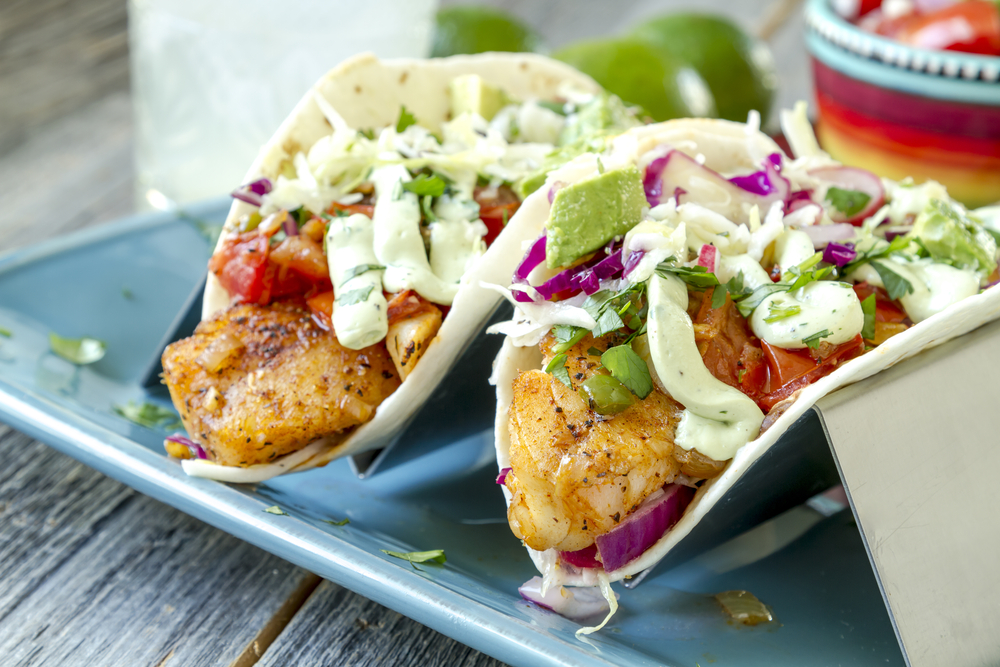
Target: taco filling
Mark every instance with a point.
(681, 295)
(339, 281)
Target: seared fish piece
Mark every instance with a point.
(576, 474)
(257, 382)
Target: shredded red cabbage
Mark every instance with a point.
(289, 225)
(253, 193)
(502, 477)
(840, 254)
(652, 183)
(189, 443)
(766, 181)
(761, 188)
(633, 261)
(643, 528)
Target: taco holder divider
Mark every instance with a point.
(916, 448)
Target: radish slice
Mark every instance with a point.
(824, 234)
(708, 257)
(853, 178)
(569, 602)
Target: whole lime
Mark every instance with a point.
(738, 68)
(476, 29)
(640, 74)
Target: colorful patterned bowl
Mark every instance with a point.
(901, 111)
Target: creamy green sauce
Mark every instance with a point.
(792, 248)
(399, 245)
(349, 244)
(824, 305)
(935, 286)
(717, 419)
(456, 237)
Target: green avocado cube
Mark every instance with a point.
(951, 237)
(588, 214)
(470, 93)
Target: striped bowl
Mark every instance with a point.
(901, 111)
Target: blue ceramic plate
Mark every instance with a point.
(125, 283)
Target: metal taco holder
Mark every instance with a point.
(917, 448)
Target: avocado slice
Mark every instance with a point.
(469, 93)
(951, 237)
(588, 214)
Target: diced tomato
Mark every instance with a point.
(729, 349)
(496, 207)
(321, 306)
(785, 364)
(240, 265)
(886, 310)
(364, 209)
(971, 27)
(303, 255)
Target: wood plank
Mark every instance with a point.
(338, 627)
(94, 573)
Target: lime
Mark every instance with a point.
(640, 74)
(738, 68)
(476, 29)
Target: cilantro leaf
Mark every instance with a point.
(355, 296)
(628, 368)
(80, 351)
(406, 119)
(749, 304)
(342, 522)
(274, 509)
(812, 342)
(426, 206)
(367, 133)
(895, 284)
(423, 184)
(600, 307)
(356, 271)
(557, 368)
(594, 352)
(6, 333)
(149, 415)
(848, 202)
(868, 308)
(558, 107)
(778, 312)
(696, 276)
(434, 556)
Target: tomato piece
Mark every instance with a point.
(302, 255)
(321, 306)
(785, 366)
(824, 361)
(240, 265)
(729, 349)
(886, 310)
(971, 27)
(364, 209)
(496, 206)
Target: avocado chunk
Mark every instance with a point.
(588, 214)
(952, 237)
(594, 143)
(469, 93)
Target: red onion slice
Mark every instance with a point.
(189, 443)
(569, 602)
(586, 557)
(644, 527)
(853, 178)
(502, 477)
(253, 193)
(676, 170)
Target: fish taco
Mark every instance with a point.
(338, 295)
(686, 295)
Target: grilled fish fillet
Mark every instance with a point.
(257, 382)
(576, 474)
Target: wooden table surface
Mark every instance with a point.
(92, 572)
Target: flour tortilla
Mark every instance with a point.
(368, 92)
(727, 148)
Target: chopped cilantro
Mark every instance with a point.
(558, 107)
(355, 296)
(127, 293)
(868, 308)
(600, 166)
(594, 352)
(80, 351)
(367, 133)
(848, 202)
(567, 336)
(895, 284)
(342, 522)
(697, 277)
(149, 415)
(425, 204)
(356, 271)
(777, 312)
(812, 342)
(423, 184)
(557, 368)
(6, 333)
(628, 368)
(406, 119)
(274, 509)
(434, 556)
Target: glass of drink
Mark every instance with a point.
(213, 79)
